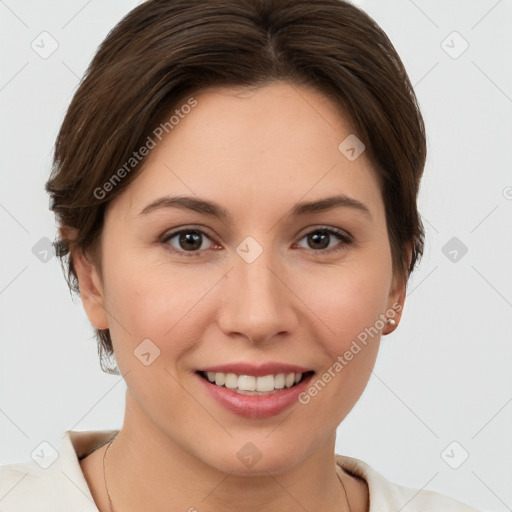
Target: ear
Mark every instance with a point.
(91, 290)
(396, 299)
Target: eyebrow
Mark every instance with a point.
(213, 209)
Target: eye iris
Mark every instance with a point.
(320, 237)
(190, 240)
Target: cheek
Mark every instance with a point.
(351, 307)
(351, 310)
(349, 300)
(154, 301)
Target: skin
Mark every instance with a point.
(257, 153)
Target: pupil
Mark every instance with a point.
(192, 239)
(317, 238)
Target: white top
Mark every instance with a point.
(53, 481)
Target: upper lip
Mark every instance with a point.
(255, 370)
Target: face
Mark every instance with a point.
(270, 293)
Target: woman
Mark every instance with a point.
(235, 183)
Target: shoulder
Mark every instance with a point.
(16, 477)
(25, 487)
(52, 481)
(386, 496)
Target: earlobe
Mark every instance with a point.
(395, 304)
(91, 290)
(397, 294)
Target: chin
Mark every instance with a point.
(257, 458)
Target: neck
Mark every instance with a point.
(145, 467)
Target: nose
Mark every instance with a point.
(257, 300)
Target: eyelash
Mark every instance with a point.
(344, 237)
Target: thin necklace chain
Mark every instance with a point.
(105, 474)
(110, 499)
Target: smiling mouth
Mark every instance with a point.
(252, 385)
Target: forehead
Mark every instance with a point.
(265, 145)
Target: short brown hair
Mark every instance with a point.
(165, 50)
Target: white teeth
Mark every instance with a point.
(249, 384)
(279, 381)
(289, 380)
(230, 381)
(265, 383)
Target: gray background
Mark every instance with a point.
(443, 376)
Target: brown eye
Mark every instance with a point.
(324, 240)
(319, 240)
(187, 240)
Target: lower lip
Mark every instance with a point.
(256, 406)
